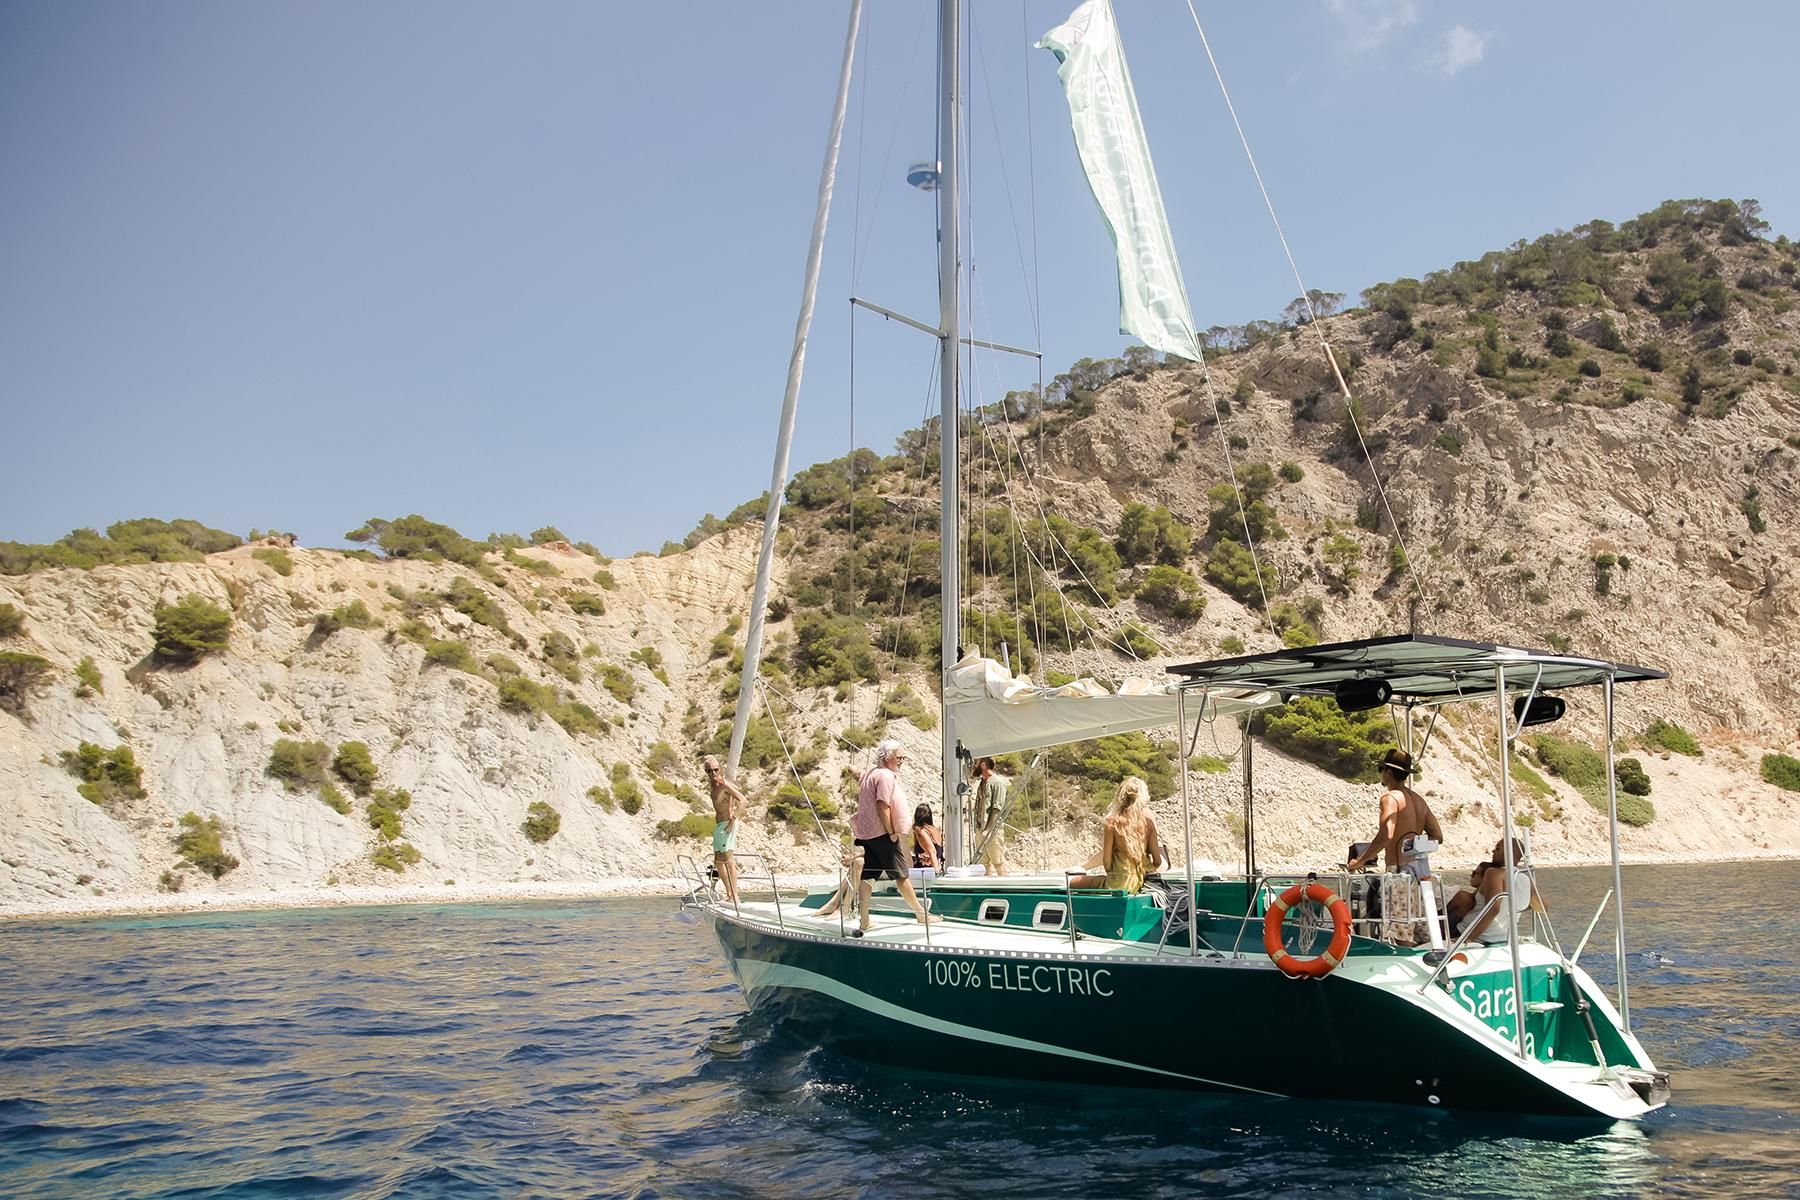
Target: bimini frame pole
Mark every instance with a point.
(790, 403)
(949, 352)
(1612, 823)
(1507, 860)
(1187, 816)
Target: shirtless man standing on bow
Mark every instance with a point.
(1404, 814)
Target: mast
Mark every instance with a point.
(790, 403)
(949, 349)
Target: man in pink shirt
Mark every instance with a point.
(883, 818)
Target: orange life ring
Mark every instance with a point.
(1325, 963)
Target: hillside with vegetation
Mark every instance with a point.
(1585, 443)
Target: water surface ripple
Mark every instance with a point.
(600, 1049)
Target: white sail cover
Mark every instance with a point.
(997, 712)
(1109, 135)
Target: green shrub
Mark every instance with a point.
(831, 649)
(106, 775)
(603, 797)
(1590, 368)
(1209, 764)
(576, 717)
(145, 540)
(692, 827)
(662, 759)
(1291, 472)
(385, 807)
(199, 842)
(1316, 730)
(1632, 777)
(502, 664)
(354, 766)
(394, 856)
(299, 765)
(278, 560)
(587, 604)
(625, 789)
(476, 603)
(1152, 534)
(1635, 810)
(521, 695)
(87, 678)
(1672, 737)
(536, 566)
(20, 676)
(1450, 443)
(1297, 623)
(1582, 765)
(1132, 638)
(605, 579)
(415, 537)
(1528, 780)
(354, 615)
(541, 822)
(12, 621)
(1230, 566)
(1231, 645)
(1782, 770)
(189, 631)
(1650, 357)
(903, 704)
(1173, 591)
(1603, 569)
(618, 681)
(334, 799)
(450, 654)
(1103, 763)
(1751, 507)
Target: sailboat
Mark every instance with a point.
(1204, 981)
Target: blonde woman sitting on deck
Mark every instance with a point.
(1128, 843)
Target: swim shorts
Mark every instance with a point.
(724, 837)
(881, 858)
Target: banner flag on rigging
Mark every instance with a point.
(1109, 135)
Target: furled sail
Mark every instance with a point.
(1109, 135)
(997, 712)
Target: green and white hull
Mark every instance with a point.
(1006, 1001)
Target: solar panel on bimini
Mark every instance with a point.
(1416, 668)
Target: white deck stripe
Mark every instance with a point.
(756, 974)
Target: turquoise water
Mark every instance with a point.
(600, 1049)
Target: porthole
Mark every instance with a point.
(993, 912)
(1049, 915)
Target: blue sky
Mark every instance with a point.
(293, 266)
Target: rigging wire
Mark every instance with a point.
(1312, 313)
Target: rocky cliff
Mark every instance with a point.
(1577, 446)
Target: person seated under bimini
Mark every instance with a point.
(1489, 880)
(1406, 820)
(1128, 841)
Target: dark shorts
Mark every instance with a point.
(881, 858)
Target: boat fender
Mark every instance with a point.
(1324, 964)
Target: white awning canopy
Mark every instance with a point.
(997, 712)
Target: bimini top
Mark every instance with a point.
(1420, 670)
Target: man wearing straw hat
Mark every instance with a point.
(1404, 816)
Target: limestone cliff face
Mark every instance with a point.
(203, 734)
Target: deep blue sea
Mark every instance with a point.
(601, 1049)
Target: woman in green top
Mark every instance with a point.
(1128, 843)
